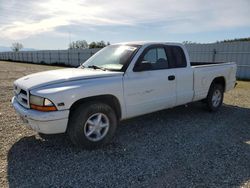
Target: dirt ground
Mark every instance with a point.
(180, 147)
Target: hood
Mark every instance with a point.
(62, 75)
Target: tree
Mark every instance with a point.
(92, 45)
(16, 46)
(82, 44)
(79, 44)
(188, 42)
(235, 40)
(100, 44)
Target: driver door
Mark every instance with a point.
(151, 85)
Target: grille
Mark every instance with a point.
(23, 92)
(22, 96)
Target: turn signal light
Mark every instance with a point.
(43, 108)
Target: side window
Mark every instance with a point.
(177, 57)
(161, 54)
(154, 59)
(150, 56)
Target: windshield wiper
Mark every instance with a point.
(97, 67)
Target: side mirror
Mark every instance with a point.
(142, 66)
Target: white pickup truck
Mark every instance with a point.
(120, 81)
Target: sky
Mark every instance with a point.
(52, 24)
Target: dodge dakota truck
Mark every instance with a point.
(120, 81)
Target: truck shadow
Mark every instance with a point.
(184, 146)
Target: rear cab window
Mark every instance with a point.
(177, 58)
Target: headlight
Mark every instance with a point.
(36, 100)
(41, 104)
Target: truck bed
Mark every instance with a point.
(205, 72)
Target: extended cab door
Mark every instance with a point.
(151, 85)
(179, 63)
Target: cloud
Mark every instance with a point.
(36, 17)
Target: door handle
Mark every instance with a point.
(171, 77)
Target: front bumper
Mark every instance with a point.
(43, 122)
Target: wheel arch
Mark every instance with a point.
(110, 100)
(220, 80)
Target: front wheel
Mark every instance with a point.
(92, 125)
(215, 97)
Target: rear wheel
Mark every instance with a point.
(215, 97)
(92, 125)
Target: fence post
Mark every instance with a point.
(49, 57)
(78, 54)
(43, 57)
(68, 57)
(59, 56)
(214, 54)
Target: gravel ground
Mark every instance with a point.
(180, 147)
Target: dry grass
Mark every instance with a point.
(240, 96)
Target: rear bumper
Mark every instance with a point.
(43, 122)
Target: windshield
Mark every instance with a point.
(112, 57)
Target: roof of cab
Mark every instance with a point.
(142, 43)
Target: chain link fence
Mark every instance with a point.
(238, 52)
(66, 57)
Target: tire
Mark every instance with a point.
(92, 125)
(44, 136)
(215, 97)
